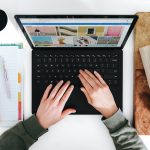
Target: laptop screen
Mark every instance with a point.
(76, 32)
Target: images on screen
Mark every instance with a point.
(75, 35)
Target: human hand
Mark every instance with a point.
(97, 93)
(50, 110)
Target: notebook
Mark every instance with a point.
(145, 55)
(11, 84)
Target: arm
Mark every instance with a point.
(50, 111)
(22, 136)
(123, 135)
(100, 97)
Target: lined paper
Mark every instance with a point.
(9, 106)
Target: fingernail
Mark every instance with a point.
(72, 86)
(95, 71)
(81, 89)
(68, 82)
(74, 111)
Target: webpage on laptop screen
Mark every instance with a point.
(76, 32)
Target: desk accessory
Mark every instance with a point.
(11, 87)
(3, 20)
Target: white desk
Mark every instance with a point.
(75, 132)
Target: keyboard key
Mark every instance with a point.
(115, 82)
(110, 71)
(38, 60)
(114, 60)
(109, 82)
(38, 81)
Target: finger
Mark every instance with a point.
(66, 96)
(93, 77)
(85, 83)
(86, 95)
(46, 93)
(55, 90)
(61, 91)
(99, 77)
(88, 78)
(67, 112)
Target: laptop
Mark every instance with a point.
(64, 44)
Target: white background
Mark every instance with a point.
(74, 132)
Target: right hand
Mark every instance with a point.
(98, 93)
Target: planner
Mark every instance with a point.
(11, 84)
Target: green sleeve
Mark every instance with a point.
(124, 136)
(22, 136)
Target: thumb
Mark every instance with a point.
(67, 112)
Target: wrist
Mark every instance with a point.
(40, 122)
(115, 122)
(110, 112)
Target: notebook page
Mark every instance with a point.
(9, 106)
(145, 55)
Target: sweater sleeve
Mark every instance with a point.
(22, 136)
(124, 136)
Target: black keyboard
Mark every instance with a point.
(51, 68)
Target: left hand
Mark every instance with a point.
(50, 110)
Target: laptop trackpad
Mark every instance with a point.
(78, 101)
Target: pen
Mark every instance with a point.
(7, 86)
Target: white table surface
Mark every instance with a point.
(74, 132)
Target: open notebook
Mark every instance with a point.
(145, 55)
(11, 85)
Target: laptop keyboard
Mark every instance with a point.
(49, 68)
